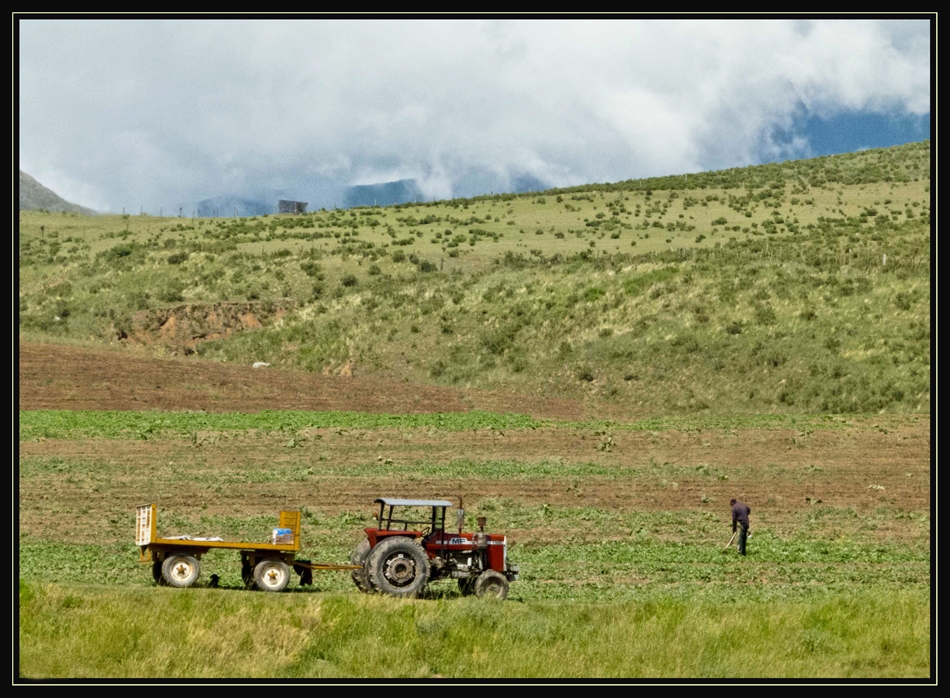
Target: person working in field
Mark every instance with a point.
(740, 515)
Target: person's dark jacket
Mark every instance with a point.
(740, 514)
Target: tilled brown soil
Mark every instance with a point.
(85, 491)
(78, 378)
(338, 470)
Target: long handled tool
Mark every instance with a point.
(730, 541)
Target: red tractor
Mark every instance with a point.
(402, 555)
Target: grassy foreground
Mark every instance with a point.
(93, 631)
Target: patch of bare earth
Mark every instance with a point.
(78, 378)
(180, 328)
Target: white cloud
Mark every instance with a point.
(156, 112)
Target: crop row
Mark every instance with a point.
(70, 424)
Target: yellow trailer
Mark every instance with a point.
(176, 560)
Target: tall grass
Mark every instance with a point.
(85, 632)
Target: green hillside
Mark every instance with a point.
(795, 287)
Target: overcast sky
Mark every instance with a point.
(153, 114)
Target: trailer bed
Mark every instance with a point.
(266, 565)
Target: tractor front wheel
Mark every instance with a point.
(399, 567)
(491, 583)
(361, 577)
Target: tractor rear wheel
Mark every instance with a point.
(491, 583)
(360, 577)
(180, 570)
(399, 567)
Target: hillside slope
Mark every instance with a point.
(797, 287)
(35, 197)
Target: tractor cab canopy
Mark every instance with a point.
(437, 520)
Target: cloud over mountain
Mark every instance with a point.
(150, 113)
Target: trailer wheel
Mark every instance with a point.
(359, 557)
(180, 570)
(492, 584)
(399, 567)
(467, 585)
(157, 573)
(271, 575)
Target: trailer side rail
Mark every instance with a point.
(144, 524)
(148, 540)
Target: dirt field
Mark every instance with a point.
(65, 377)
(784, 472)
(336, 470)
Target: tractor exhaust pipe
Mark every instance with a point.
(480, 538)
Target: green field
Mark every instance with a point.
(761, 333)
(67, 424)
(836, 584)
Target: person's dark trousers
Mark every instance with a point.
(743, 533)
